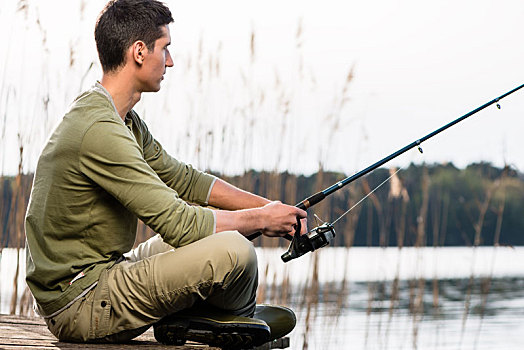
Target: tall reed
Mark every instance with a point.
(485, 285)
(483, 207)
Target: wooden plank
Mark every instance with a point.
(18, 332)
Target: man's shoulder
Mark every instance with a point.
(88, 109)
(92, 104)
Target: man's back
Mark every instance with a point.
(66, 209)
(95, 176)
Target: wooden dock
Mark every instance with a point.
(31, 333)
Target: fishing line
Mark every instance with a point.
(367, 195)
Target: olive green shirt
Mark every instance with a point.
(95, 176)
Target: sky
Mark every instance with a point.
(264, 84)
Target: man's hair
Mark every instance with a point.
(122, 22)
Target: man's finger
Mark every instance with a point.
(303, 226)
(301, 213)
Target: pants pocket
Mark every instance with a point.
(74, 323)
(101, 310)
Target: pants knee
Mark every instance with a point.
(241, 252)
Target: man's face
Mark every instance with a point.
(155, 63)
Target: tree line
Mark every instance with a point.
(421, 205)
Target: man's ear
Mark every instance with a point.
(139, 50)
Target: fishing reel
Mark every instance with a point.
(317, 238)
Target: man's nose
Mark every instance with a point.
(169, 60)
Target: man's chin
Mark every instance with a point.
(152, 88)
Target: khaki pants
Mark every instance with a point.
(155, 281)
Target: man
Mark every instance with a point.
(100, 170)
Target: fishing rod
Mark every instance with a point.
(324, 234)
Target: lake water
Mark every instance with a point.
(374, 298)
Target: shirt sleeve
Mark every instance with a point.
(112, 159)
(191, 184)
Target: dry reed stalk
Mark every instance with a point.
(322, 208)
(273, 295)
(382, 219)
(369, 226)
(265, 191)
(369, 242)
(353, 216)
(483, 208)
(400, 225)
(418, 313)
(18, 210)
(311, 298)
(485, 285)
(26, 303)
(290, 194)
(393, 300)
(14, 296)
(436, 310)
(440, 211)
(307, 321)
(418, 306)
(217, 61)
(285, 288)
(275, 192)
(82, 9)
(299, 39)
(436, 213)
(369, 309)
(252, 46)
(445, 215)
(349, 238)
(400, 193)
(344, 290)
(261, 291)
(499, 212)
(422, 218)
(23, 6)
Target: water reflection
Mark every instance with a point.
(413, 314)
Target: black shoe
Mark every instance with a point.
(280, 320)
(212, 327)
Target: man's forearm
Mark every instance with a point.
(248, 213)
(245, 221)
(226, 196)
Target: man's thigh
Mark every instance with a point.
(220, 269)
(154, 245)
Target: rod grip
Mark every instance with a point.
(311, 201)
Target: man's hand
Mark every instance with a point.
(280, 219)
(273, 219)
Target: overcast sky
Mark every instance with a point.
(416, 66)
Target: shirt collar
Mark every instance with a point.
(101, 89)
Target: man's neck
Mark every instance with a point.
(122, 90)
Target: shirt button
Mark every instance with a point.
(103, 304)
